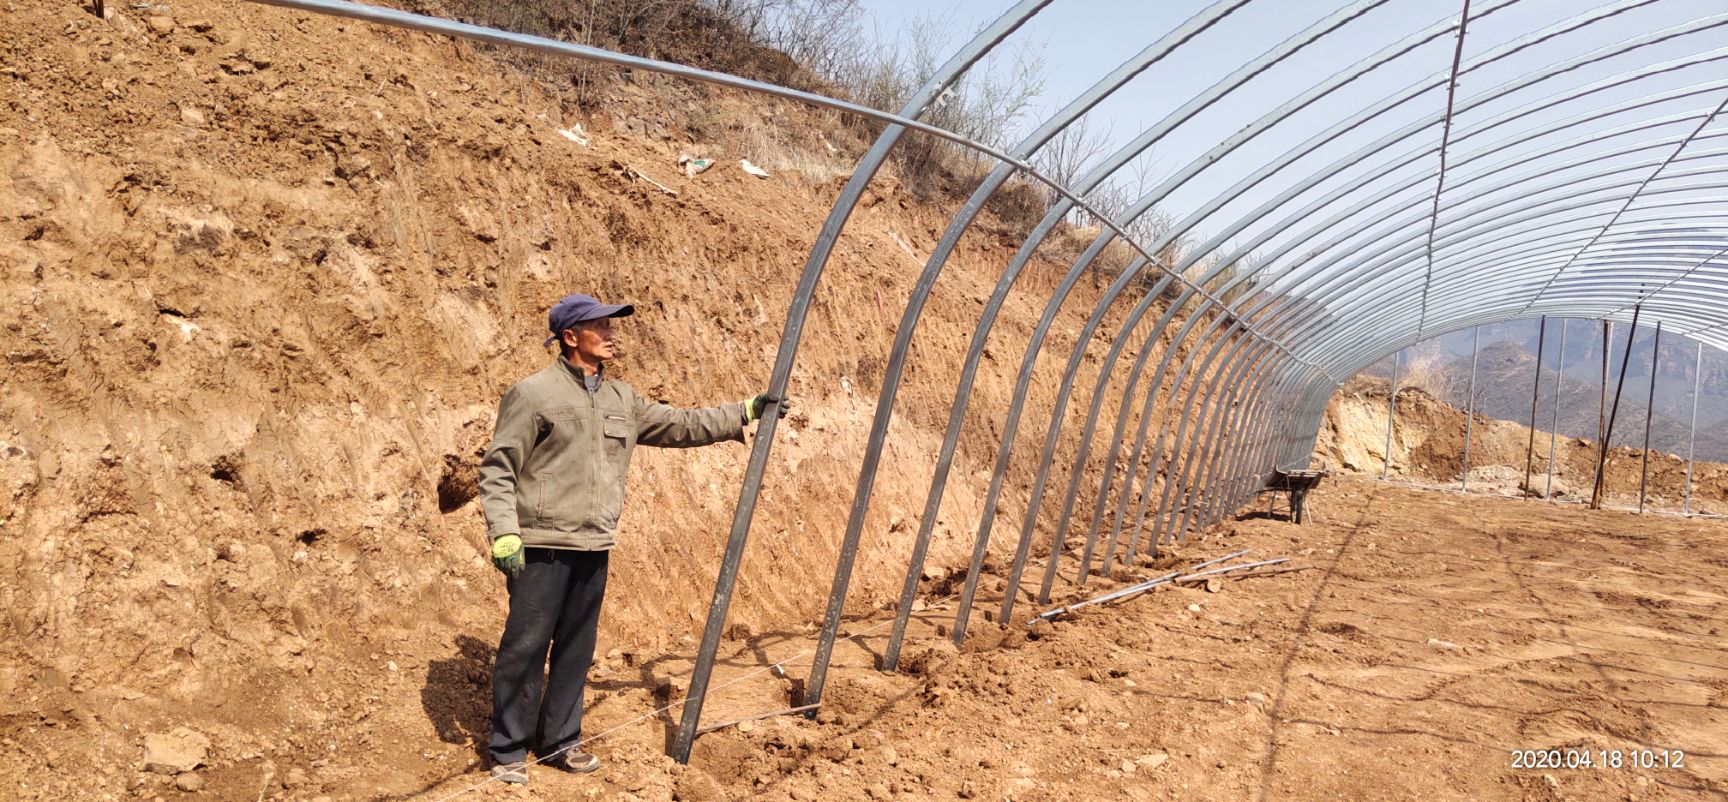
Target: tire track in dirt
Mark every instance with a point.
(1269, 763)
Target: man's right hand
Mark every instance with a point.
(507, 555)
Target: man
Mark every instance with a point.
(552, 486)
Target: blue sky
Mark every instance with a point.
(1082, 40)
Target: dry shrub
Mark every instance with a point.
(688, 32)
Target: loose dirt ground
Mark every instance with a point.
(1431, 636)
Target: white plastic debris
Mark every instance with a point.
(752, 169)
(692, 165)
(575, 134)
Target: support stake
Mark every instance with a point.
(1391, 415)
(1554, 421)
(1535, 393)
(1613, 412)
(1692, 436)
(1649, 413)
(1470, 409)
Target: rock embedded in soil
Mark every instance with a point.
(1151, 761)
(180, 750)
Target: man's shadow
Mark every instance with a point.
(457, 697)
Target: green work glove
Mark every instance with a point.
(507, 555)
(754, 407)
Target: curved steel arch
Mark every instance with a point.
(1266, 338)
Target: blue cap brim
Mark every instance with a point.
(608, 310)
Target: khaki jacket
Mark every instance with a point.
(554, 472)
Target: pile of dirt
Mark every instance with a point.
(1428, 443)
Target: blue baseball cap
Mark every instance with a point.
(573, 309)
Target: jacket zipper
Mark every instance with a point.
(598, 426)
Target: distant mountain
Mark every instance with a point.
(1505, 373)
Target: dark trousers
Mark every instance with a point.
(556, 603)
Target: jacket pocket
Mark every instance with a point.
(617, 438)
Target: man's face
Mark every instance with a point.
(592, 340)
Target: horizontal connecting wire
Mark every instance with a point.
(1630, 199)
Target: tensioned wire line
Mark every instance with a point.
(780, 664)
(1445, 139)
(1630, 199)
(1708, 259)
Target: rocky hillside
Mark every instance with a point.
(1428, 446)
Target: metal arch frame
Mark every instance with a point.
(1613, 50)
(1112, 228)
(958, 226)
(1363, 209)
(1337, 242)
(1325, 265)
(1631, 199)
(1281, 352)
(1417, 127)
(1393, 311)
(1338, 80)
(1619, 49)
(1121, 158)
(1374, 296)
(1338, 166)
(1291, 45)
(1345, 279)
(1538, 208)
(1271, 118)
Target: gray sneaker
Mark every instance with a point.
(513, 773)
(575, 760)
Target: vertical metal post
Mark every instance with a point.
(1613, 412)
(1692, 436)
(1470, 408)
(1649, 415)
(1535, 393)
(1391, 415)
(1602, 395)
(1554, 420)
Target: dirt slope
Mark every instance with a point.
(265, 277)
(1428, 446)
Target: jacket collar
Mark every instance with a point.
(575, 370)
